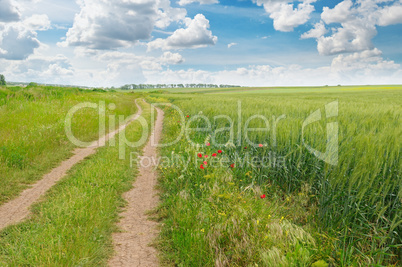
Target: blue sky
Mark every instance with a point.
(248, 42)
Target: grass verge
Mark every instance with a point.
(33, 139)
(73, 224)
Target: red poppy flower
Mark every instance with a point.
(263, 196)
(232, 165)
(206, 156)
(199, 155)
(208, 144)
(205, 163)
(202, 166)
(260, 145)
(245, 147)
(188, 116)
(219, 151)
(214, 155)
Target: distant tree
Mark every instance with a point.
(32, 84)
(126, 87)
(2, 80)
(180, 85)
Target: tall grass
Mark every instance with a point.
(73, 224)
(353, 210)
(32, 136)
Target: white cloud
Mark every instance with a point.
(231, 44)
(9, 11)
(40, 68)
(172, 58)
(195, 35)
(37, 22)
(17, 40)
(202, 2)
(118, 74)
(390, 15)
(125, 68)
(286, 17)
(316, 32)
(353, 25)
(109, 25)
(353, 36)
(145, 62)
(166, 14)
(342, 12)
(366, 67)
(366, 61)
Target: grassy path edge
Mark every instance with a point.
(18, 209)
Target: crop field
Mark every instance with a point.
(295, 210)
(247, 176)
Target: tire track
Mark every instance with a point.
(18, 209)
(132, 244)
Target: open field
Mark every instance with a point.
(267, 197)
(347, 214)
(73, 223)
(33, 138)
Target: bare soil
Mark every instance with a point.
(137, 232)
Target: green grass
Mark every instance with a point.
(349, 214)
(313, 214)
(33, 139)
(73, 223)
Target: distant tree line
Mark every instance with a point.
(2, 80)
(160, 86)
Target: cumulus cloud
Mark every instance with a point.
(109, 25)
(342, 12)
(202, 2)
(286, 17)
(390, 15)
(40, 68)
(354, 36)
(167, 14)
(195, 35)
(317, 31)
(37, 22)
(353, 25)
(369, 63)
(171, 58)
(18, 40)
(8, 11)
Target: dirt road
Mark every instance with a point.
(131, 245)
(18, 209)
